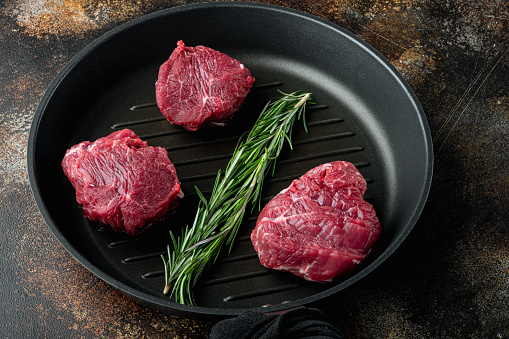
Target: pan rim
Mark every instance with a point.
(192, 311)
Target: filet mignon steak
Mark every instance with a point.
(320, 226)
(200, 86)
(122, 182)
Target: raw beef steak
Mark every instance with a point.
(199, 85)
(319, 227)
(122, 182)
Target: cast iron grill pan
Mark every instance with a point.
(363, 113)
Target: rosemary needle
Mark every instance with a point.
(217, 220)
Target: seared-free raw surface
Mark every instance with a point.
(319, 227)
(122, 182)
(199, 85)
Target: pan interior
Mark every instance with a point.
(364, 114)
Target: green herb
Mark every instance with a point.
(217, 220)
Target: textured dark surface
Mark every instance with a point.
(449, 278)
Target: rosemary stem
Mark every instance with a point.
(303, 100)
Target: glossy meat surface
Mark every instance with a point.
(122, 182)
(200, 86)
(320, 226)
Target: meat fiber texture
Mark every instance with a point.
(122, 182)
(200, 86)
(320, 226)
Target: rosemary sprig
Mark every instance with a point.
(217, 220)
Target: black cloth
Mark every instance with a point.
(296, 323)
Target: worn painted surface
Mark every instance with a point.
(450, 278)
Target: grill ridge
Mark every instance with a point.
(119, 243)
(141, 106)
(142, 257)
(136, 122)
(236, 277)
(153, 274)
(252, 294)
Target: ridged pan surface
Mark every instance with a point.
(365, 113)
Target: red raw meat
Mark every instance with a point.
(320, 226)
(200, 86)
(122, 182)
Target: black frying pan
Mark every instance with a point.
(365, 113)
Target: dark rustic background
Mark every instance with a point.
(449, 279)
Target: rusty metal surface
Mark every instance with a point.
(450, 278)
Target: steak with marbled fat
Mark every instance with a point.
(200, 86)
(122, 182)
(320, 226)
